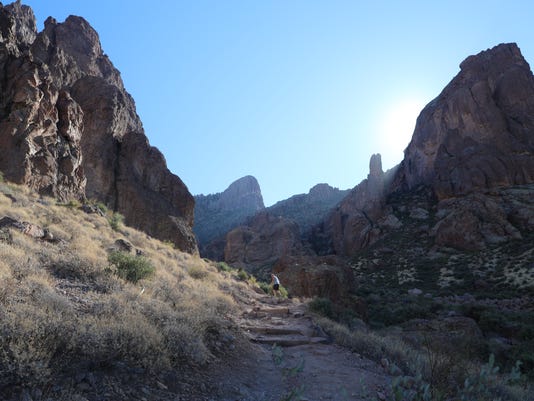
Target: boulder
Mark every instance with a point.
(31, 230)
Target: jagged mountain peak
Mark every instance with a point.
(244, 193)
(477, 134)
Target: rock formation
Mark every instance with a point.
(471, 141)
(353, 224)
(309, 209)
(308, 276)
(216, 218)
(257, 245)
(478, 133)
(219, 213)
(69, 129)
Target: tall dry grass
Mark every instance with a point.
(63, 309)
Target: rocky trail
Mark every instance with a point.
(294, 359)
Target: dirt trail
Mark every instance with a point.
(294, 356)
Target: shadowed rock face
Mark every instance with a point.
(474, 139)
(216, 214)
(257, 245)
(352, 225)
(478, 133)
(70, 130)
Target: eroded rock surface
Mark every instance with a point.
(477, 134)
(257, 245)
(69, 129)
(472, 141)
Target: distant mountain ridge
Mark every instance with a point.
(309, 209)
(466, 183)
(218, 213)
(242, 204)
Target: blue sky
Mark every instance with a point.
(294, 92)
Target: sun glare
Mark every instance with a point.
(396, 129)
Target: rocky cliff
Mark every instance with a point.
(258, 244)
(216, 214)
(478, 134)
(69, 129)
(471, 142)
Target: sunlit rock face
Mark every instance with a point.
(479, 132)
(70, 130)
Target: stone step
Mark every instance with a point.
(288, 341)
(260, 313)
(272, 330)
(274, 311)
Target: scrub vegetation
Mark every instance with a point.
(79, 303)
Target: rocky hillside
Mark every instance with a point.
(307, 210)
(241, 206)
(471, 141)
(69, 129)
(216, 214)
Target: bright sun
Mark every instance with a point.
(396, 129)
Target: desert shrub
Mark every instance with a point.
(224, 267)
(198, 271)
(125, 335)
(487, 384)
(338, 313)
(129, 267)
(393, 312)
(524, 352)
(264, 286)
(74, 267)
(31, 338)
(101, 206)
(71, 204)
(242, 275)
(322, 306)
(115, 221)
(283, 292)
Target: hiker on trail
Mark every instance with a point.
(276, 285)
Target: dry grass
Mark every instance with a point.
(374, 346)
(62, 309)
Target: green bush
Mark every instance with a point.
(224, 267)
(116, 220)
(264, 286)
(323, 307)
(129, 267)
(242, 275)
